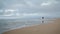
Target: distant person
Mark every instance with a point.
(42, 19)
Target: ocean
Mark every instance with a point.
(10, 24)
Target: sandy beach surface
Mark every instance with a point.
(50, 28)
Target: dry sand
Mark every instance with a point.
(50, 28)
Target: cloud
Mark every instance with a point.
(29, 3)
(30, 6)
(45, 4)
(9, 12)
(8, 15)
(49, 3)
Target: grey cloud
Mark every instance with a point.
(1, 4)
(33, 6)
(57, 0)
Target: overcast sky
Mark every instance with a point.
(23, 8)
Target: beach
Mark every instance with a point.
(49, 28)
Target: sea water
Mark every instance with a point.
(10, 24)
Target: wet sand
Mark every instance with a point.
(50, 28)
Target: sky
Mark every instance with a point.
(29, 8)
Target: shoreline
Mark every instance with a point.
(32, 28)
